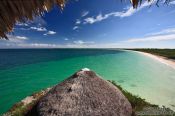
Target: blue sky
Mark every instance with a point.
(98, 24)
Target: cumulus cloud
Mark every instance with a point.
(130, 11)
(50, 33)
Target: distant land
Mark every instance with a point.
(168, 53)
(165, 56)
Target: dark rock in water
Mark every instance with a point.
(84, 94)
(121, 81)
(133, 85)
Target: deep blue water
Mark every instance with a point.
(15, 57)
(25, 71)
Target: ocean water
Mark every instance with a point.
(25, 71)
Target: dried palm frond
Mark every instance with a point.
(12, 11)
(135, 3)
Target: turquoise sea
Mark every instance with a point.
(25, 71)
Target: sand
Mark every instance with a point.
(27, 100)
(164, 60)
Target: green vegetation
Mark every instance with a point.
(137, 103)
(168, 53)
(19, 109)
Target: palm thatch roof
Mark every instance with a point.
(12, 11)
(84, 94)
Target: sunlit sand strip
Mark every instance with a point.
(161, 59)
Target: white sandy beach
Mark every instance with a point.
(161, 59)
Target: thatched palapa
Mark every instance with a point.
(12, 11)
(84, 94)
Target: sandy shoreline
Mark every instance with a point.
(161, 59)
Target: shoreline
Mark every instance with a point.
(164, 60)
(27, 106)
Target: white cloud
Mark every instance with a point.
(66, 39)
(98, 18)
(24, 29)
(77, 21)
(37, 45)
(39, 21)
(39, 28)
(28, 25)
(75, 44)
(85, 13)
(21, 24)
(163, 35)
(75, 27)
(81, 42)
(172, 3)
(78, 44)
(50, 33)
(130, 11)
(21, 37)
(153, 38)
(16, 39)
(92, 20)
(91, 44)
(165, 31)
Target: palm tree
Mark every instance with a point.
(12, 11)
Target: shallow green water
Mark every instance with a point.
(135, 72)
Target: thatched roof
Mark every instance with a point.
(12, 11)
(84, 94)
